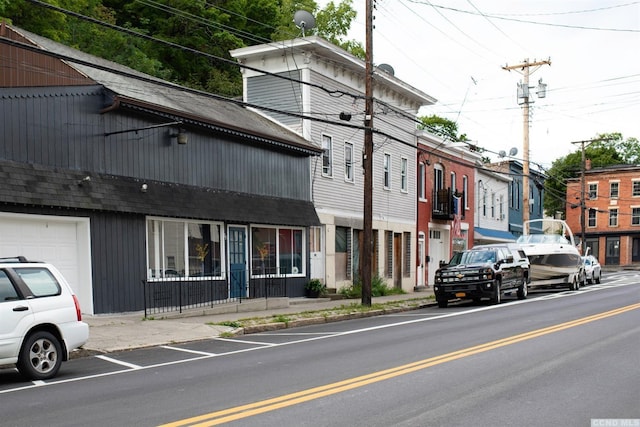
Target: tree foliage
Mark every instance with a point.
(606, 150)
(213, 28)
(441, 127)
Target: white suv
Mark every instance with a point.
(41, 319)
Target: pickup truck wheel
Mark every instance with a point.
(523, 290)
(497, 293)
(443, 303)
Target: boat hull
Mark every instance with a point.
(548, 266)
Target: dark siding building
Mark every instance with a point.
(117, 177)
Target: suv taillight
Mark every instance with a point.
(78, 312)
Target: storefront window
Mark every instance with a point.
(183, 249)
(281, 255)
(263, 254)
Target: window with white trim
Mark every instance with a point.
(493, 204)
(277, 250)
(593, 190)
(327, 155)
(404, 164)
(184, 249)
(614, 189)
(348, 161)
(386, 171)
(613, 217)
(465, 191)
(635, 188)
(635, 216)
(422, 176)
(453, 183)
(591, 222)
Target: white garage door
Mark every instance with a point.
(61, 241)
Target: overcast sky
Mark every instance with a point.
(454, 50)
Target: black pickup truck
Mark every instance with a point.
(487, 272)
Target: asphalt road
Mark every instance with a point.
(557, 358)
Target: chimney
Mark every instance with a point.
(587, 164)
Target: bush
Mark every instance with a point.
(315, 287)
(379, 288)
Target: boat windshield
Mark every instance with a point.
(543, 238)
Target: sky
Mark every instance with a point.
(455, 51)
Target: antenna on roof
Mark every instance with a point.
(304, 20)
(387, 69)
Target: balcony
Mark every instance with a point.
(444, 203)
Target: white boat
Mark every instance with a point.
(550, 246)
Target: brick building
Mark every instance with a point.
(612, 212)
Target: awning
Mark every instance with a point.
(492, 235)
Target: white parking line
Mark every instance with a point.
(186, 350)
(295, 334)
(118, 362)
(246, 341)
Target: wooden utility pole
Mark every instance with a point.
(524, 67)
(367, 236)
(583, 192)
(583, 205)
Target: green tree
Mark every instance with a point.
(441, 127)
(606, 150)
(213, 28)
(333, 24)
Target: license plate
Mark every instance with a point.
(460, 294)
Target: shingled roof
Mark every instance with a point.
(133, 87)
(35, 185)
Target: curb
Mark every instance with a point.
(275, 326)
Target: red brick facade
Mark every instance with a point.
(612, 213)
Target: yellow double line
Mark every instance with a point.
(244, 411)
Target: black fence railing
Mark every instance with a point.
(178, 294)
(444, 203)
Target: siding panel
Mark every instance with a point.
(74, 139)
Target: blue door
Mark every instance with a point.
(237, 261)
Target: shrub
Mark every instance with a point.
(379, 288)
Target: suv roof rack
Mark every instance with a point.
(18, 258)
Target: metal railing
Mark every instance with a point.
(178, 294)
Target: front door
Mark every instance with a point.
(237, 261)
(397, 260)
(612, 255)
(438, 251)
(421, 259)
(316, 252)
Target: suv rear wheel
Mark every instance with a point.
(40, 357)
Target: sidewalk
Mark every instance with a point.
(109, 333)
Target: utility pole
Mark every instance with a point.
(367, 237)
(523, 93)
(583, 206)
(583, 192)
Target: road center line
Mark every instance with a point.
(255, 408)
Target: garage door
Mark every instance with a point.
(61, 241)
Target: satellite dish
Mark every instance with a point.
(304, 20)
(502, 154)
(387, 69)
(513, 151)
